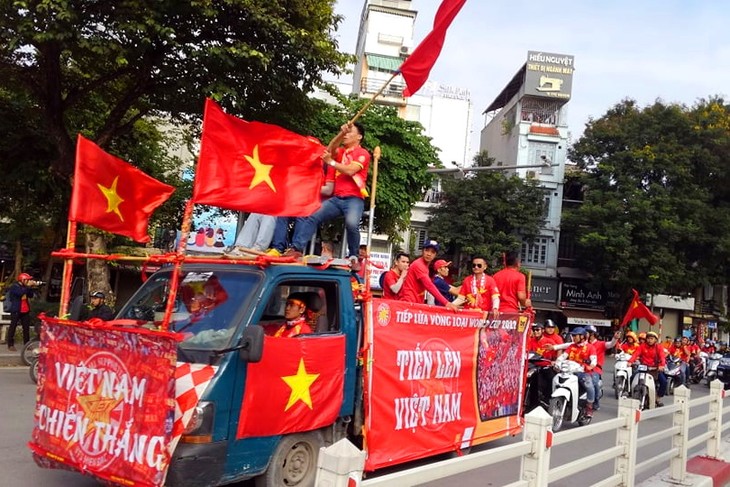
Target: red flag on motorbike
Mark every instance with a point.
(638, 310)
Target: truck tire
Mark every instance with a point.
(294, 462)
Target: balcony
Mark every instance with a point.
(392, 94)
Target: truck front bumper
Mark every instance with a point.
(197, 465)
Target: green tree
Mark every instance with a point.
(654, 216)
(487, 212)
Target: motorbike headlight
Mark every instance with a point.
(565, 367)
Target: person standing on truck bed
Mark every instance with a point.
(512, 285)
(418, 280)
(297, 319)
(393, 279)
(479, 291)
(351, 162)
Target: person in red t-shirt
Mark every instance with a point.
(418, 280)
(600, 348)
(582, 353)
(512, 286)
(631, 343)
(351, 163)
(651, 354)
(551, 336)
(479, 291)
(393, 279)
(297, 320)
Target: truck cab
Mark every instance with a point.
(221, 313)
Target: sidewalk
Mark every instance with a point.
(9, 359)
(702, 471)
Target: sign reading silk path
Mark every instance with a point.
(105, 401)
(435, 380)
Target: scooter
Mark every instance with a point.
(567, 403)
(697, 368)
(673, 373)
(643, 387)
(621, 375)
(713, 360)
(539, 377)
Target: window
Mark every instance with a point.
(535, 253)
(420, 234)
(541, 153)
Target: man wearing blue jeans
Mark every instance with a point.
(351, 164)
(256, 234)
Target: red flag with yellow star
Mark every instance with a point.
(256, 167)
(638, 310)
(297, 386)
(113, 195)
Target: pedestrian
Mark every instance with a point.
(393, 279)
(479, 291)
(512, 285)
(18, 296)
(439, 279)
(351, 163)
(418, 280)
(97, 308)
(256, 234)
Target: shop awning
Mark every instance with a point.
(580, 317)
(383, 63)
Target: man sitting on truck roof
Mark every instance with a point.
(297, 318)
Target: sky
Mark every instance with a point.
(677, 51)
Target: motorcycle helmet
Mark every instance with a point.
(578, 331)
(24, 277)
(549, 323)
(642, 336)
(591, 329)
(677, 339)
(537, 326)
(652, 334)
(97, 294)
(631, 335)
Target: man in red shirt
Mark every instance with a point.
(393, 279)
(651, 354)
(479, 291)
(551, 336)
(296, 322)
(351, 163)
(582, 353)
(418, 280)
(600, 348)
(512, 286)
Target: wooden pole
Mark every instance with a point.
(67, 271)
(372, 100)
(371, 216)
(175, 278)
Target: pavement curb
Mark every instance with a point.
(717, 470)
(10, 359)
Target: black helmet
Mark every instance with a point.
(549, 323)
(97, 294)
(537, 326)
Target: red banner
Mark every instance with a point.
(105, 401)
(297, 386)
(440, 380)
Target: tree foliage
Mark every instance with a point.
(656, 196)
(487, 212)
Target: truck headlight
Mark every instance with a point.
(200, 427)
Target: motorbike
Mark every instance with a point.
(697, 368)
(713, 360)
(621, 375)
(539, 375)
(29, 351)
(568, 402)
(643, 387)
(673, 373)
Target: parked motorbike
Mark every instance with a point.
(713, 360)
(643, 387)
(28, 353)
(673, 373)
(567, 402)
(621, 375)
(539, 380)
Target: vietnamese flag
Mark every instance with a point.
(416, 68)
(256, 167)
(638, 310)
(113, 195)
(297, 386)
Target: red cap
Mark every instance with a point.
(441, 263)
(24, 276)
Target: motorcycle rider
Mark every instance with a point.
(651, 354)
(600, 347)
(551, 335)
(542, 346)
(695, 360)
(581, 352)
(677, 349)
(630, 344)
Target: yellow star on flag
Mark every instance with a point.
(300, 385)
(262, 170)
(98, 408)
(113, 200)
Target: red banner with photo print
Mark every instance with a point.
(440, 381)
(105, 401)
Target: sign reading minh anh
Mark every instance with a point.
(549, 75)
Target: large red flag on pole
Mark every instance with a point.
(113, 195)
(638, 310)
(256, 167)
(416, 68)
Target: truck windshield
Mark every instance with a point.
(207, 310)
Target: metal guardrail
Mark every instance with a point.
(538, 439)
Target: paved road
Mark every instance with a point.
(18, 398)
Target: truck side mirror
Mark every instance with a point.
(252, 344)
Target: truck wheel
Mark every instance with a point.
(294, 462)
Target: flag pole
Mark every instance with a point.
(180, 257)
(67, 270)
(371, 216)
(372, 100)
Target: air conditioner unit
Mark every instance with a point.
(531, 174)
(404, 50)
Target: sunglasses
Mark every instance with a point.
(478, 266)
